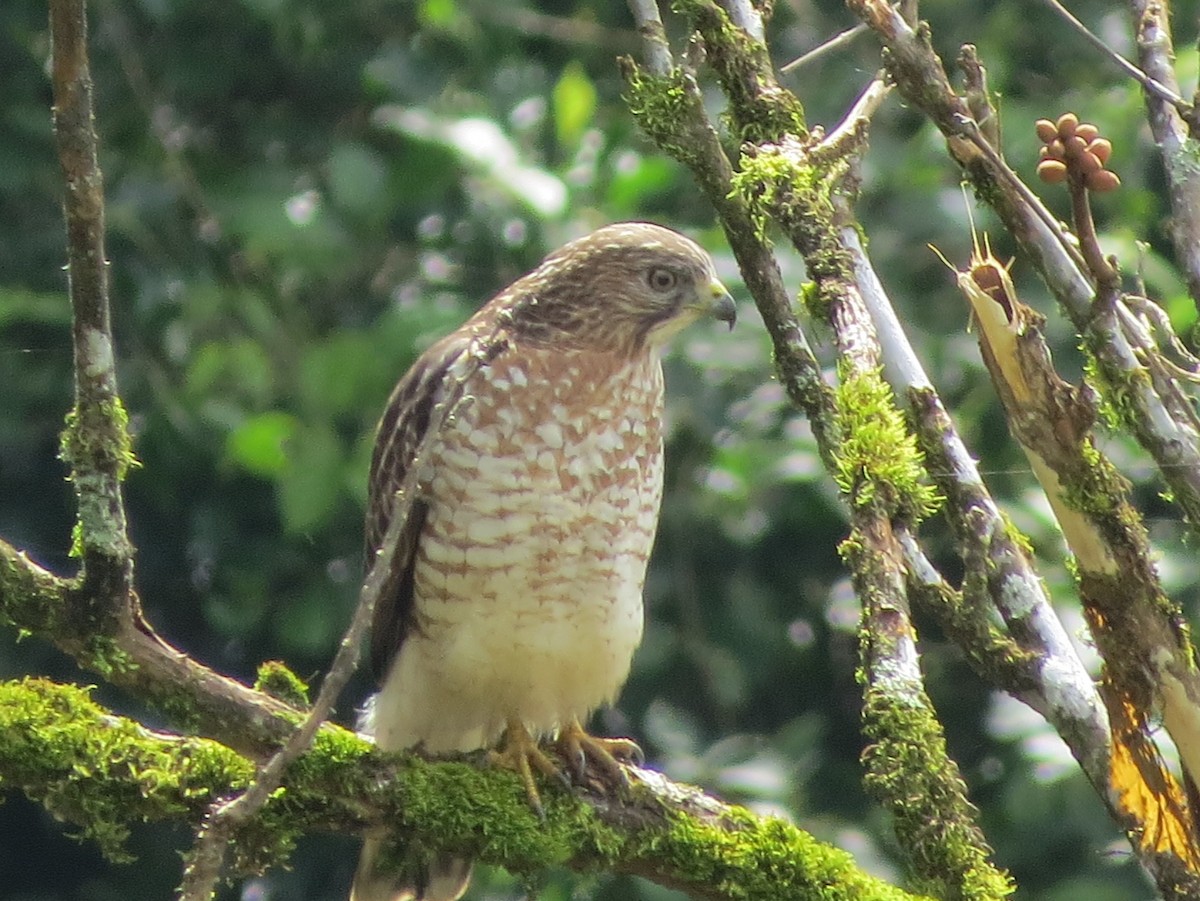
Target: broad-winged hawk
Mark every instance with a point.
(514, 603)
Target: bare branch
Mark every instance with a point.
(1165, 92)
(1174, 130)
(1151, 406)
(566, 30)
(96, 443)
(654, 36)
(837, 42)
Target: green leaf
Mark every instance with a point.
(437, 13)
(357, 181)
(483, 147)
(637, 179)
(234, 614)
(259, 445)
(356, 475)
(308, 625)
(309, 487)
(238, 372)
(334, 375)
(574, 99)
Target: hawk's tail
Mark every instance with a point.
(445, 879)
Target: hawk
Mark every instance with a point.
(514, 600)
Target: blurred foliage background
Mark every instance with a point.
(303, 195)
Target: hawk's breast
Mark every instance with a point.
(543, 502)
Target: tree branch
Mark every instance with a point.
(37, 602)
(84, 763)
(96, 443)
(1137, 629)
(104, 773)
(1173, 124)
(1145, 399)
(791, 176)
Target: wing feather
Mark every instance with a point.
(397, 438)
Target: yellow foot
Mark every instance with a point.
(587, 755)
(520, 753)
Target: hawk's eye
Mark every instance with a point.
(661, 279)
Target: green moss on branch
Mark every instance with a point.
(879, 461)
(104, 773)
(762, 110)
(909, 770)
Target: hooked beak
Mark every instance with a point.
(720, 305)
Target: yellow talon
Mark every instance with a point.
(520, 753)
(585, 756)
(580, 750)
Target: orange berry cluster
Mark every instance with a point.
(1071, 145)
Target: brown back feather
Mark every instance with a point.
(397, 437)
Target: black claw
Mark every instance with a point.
(578, 764)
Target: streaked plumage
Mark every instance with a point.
(515, 597)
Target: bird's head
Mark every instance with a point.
(625, 287)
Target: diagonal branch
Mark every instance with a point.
(1174, 128)
(1163, 90)
(1137, 629)
(790, 176)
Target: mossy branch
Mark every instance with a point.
(789, 177)
(96, 443)
(104, 773)
(196, 698)
(87, 766)
(1139, 632)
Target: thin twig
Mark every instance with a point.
(206, 859)
(837, 42)
(864, 107)
(1108, 281)
(1150, 84)
(1174, 135)
(565, 30)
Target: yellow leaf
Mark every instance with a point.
(1148, 792)
(574, 99)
